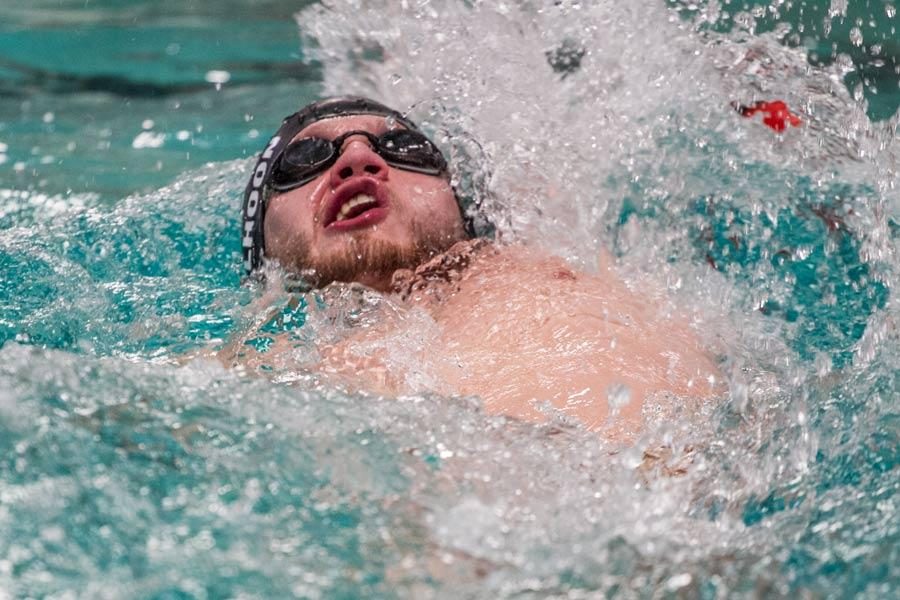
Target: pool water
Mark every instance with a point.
(131, 466)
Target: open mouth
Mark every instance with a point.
(357, 205)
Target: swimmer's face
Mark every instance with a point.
(361, 219)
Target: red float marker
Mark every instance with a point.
(776, 114)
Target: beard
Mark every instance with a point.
(371, 261)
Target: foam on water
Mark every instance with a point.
(131, 470)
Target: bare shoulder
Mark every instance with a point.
(522, 325)
(517, 272)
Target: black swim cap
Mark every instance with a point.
(254, 206)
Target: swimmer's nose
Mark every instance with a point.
(357, 159)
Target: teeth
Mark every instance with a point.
(353, 203)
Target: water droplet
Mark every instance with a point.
(838, 8)
(218, 77)
(148, 139)
(856, 37)
(618, 396)
(396, 78)
(822, 364)
(676, 582)
(890, 10)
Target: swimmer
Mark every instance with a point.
(349, 190)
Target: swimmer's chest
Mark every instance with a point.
(538, 307)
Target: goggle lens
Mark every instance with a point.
(307, 153)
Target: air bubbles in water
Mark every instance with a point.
(823, 364)
(838, 8)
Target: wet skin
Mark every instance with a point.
(416, 216)
(531, 337)
(517, 328)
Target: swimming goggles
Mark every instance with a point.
(305, 159)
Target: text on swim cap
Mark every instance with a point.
(253, 199)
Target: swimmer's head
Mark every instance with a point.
(349, 190)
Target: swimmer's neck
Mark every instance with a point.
(444, 267)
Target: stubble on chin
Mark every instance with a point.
(373, 261)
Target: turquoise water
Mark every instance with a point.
(82, 80)
(130, 469)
